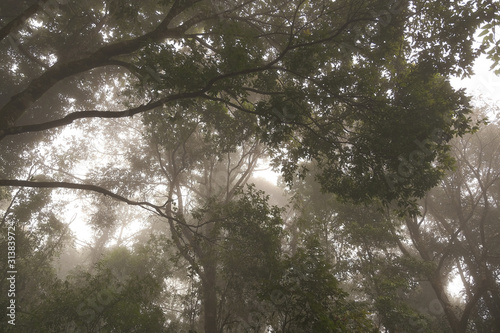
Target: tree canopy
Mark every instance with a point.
(352, 85)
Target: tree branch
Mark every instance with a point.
(14, 109)
(160, 210)
(127, 113)
(70, 118)
(31, 57)
(21, 18)
(103, 57)
(86, 187)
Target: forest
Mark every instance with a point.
(248, 166)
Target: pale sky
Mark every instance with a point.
(484, 85)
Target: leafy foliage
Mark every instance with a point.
(120, 296)
(349, 99)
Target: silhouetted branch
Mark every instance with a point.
(160, 210)
(21, 18)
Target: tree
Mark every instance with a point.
(37, 236)
(202, 157)
(363, 78)
(358, 87)
(121, 296)
(241, 254)
(360, 242)
(403, 266)
(457, 232)
(308, 298)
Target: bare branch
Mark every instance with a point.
(86, 187)
(160, 210)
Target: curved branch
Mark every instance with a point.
(127, 113)
(21, 18)
(20, 102)
(70, 118)
(160, 210)
(86, 187)
(103, 57)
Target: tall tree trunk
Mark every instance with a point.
(440, 290)
(435, 278)
(210, 296)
